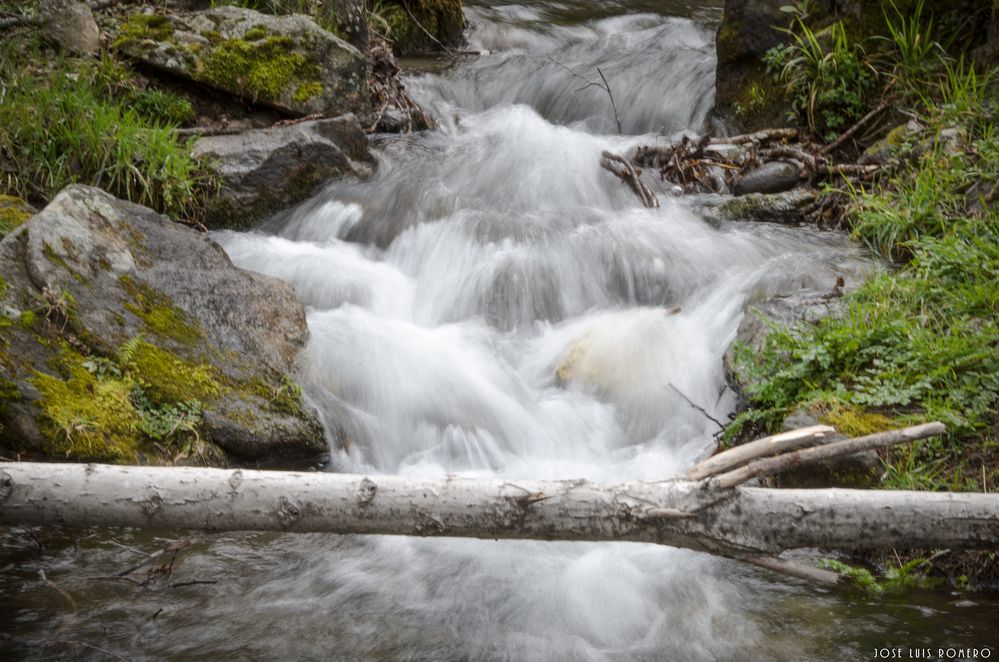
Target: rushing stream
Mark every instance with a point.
(493, 303)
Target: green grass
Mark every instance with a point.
(919, 343)
(80, 121)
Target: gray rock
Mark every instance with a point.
(70, 25)
(267, 170)
(860, 470)
(785, 208)
(93, 276)
(284, 62)
(771, 177)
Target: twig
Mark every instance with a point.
(104, 651)
(64, 593)
(193, 582)
(771, 466)
(621, 167)
(697, 406)
(846, 135)
(605, 86)
(172, 548)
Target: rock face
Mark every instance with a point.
(786, 208)
(123, 330)
(70, 24)
(424, 26)
(267, 170)
(287, 63)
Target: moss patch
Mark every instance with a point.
(158, 313)
(84, 417)
(144, 27)
(263, 69)
(167, 377)
(13, 213)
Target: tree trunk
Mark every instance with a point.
(705, 509)
(732, 522)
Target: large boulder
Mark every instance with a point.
(128, 337)
(267, 170)
(70, 25)
(287, 63)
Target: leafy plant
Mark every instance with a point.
(912, 55)
(897, 578)
(826, 77)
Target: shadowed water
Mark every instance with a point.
(493, 303)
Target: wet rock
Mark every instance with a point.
(70, 25)
(424, 26)
(287, 63)
(860, 470)
(785, 208)
(771, 177)
(121, 323)
(267, 170)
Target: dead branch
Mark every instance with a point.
(64, 593)
(632, 176)
(772, 445)
(767, 135)
(774, 465)
(846, 135)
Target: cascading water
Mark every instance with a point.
(493, 303)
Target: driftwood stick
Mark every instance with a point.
(773, 445)
(621, 167)
(766, 135)
(774, 465)
(846, 135)
(794, 569)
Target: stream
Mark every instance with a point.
(492, 303)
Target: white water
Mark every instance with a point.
(444, 295)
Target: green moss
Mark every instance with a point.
(263, 69)
(58, 260)
(144, 27)
(13, 213)
(167, 377)
(158, 313)
(28, 319)
(281, 395)
(857, 422)
(256, 33)
(307, 91)
(86, 418)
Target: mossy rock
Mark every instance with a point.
(424, 26)
(287, 63)
(121, 327)
(267, 170)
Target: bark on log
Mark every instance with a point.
(744, 523)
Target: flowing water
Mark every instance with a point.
(493, 303)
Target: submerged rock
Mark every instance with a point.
(132, 338)
(785, 208)
(70, 25)
(267, 170)
(771, 177)
(287, 63)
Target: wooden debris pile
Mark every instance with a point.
(770, 161)
(396, 110)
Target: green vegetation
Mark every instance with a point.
(88, 121)
(95, 408)
(922, 342)
(13, 212)
(897, 578)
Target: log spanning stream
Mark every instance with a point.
(493, 304)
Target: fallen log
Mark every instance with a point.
(714, 514)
